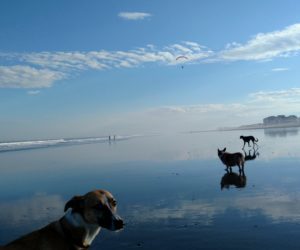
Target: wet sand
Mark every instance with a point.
(168, 189)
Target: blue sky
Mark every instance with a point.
(74, 68)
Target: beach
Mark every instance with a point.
(168, 189)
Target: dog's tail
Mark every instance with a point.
(256, 140)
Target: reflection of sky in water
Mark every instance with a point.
(38, 207)
(281, 132)
(168, 191)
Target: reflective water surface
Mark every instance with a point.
(173, 191)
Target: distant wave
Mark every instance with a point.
(34, 144)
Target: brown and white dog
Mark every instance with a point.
(84, 217)
(232, 159)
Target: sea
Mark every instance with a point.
(173, 192)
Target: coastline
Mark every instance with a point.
(248, 127)
(260, 126)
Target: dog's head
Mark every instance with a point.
(221, 152)
(97, 207)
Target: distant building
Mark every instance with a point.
(280, 119)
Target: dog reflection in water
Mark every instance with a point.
(251, 156)
(233, 179)
(85, 216)
(232, 159)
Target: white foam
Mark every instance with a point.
(22, 145)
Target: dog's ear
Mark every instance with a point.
(224, 149)
(76, 203)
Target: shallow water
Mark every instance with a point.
(168, 189)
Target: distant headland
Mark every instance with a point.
(279, 121)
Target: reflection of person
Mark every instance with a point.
(233, 179)
(109, 138)
(114, 137)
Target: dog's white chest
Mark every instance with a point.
(91, 231)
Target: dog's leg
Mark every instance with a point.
(227, 169)
(240, 170)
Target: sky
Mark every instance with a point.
(71, 68)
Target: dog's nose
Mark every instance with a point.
(119, 224)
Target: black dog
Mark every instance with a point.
(248, 139)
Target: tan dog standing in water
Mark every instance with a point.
(232, 159)
(77, 228)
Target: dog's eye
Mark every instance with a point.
(114, 203)
(98, 206)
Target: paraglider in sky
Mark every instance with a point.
(178, 58)
(181, 57)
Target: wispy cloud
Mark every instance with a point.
(198, 109)
(20, 76)
(134, 15)
(287, 95)
(39, 70)
(265, 46)
(253, 109)
(42, 69)
(280, 101)
(280, 69)
(33, 92)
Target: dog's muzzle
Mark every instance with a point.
(113, 223)
(117, 223)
